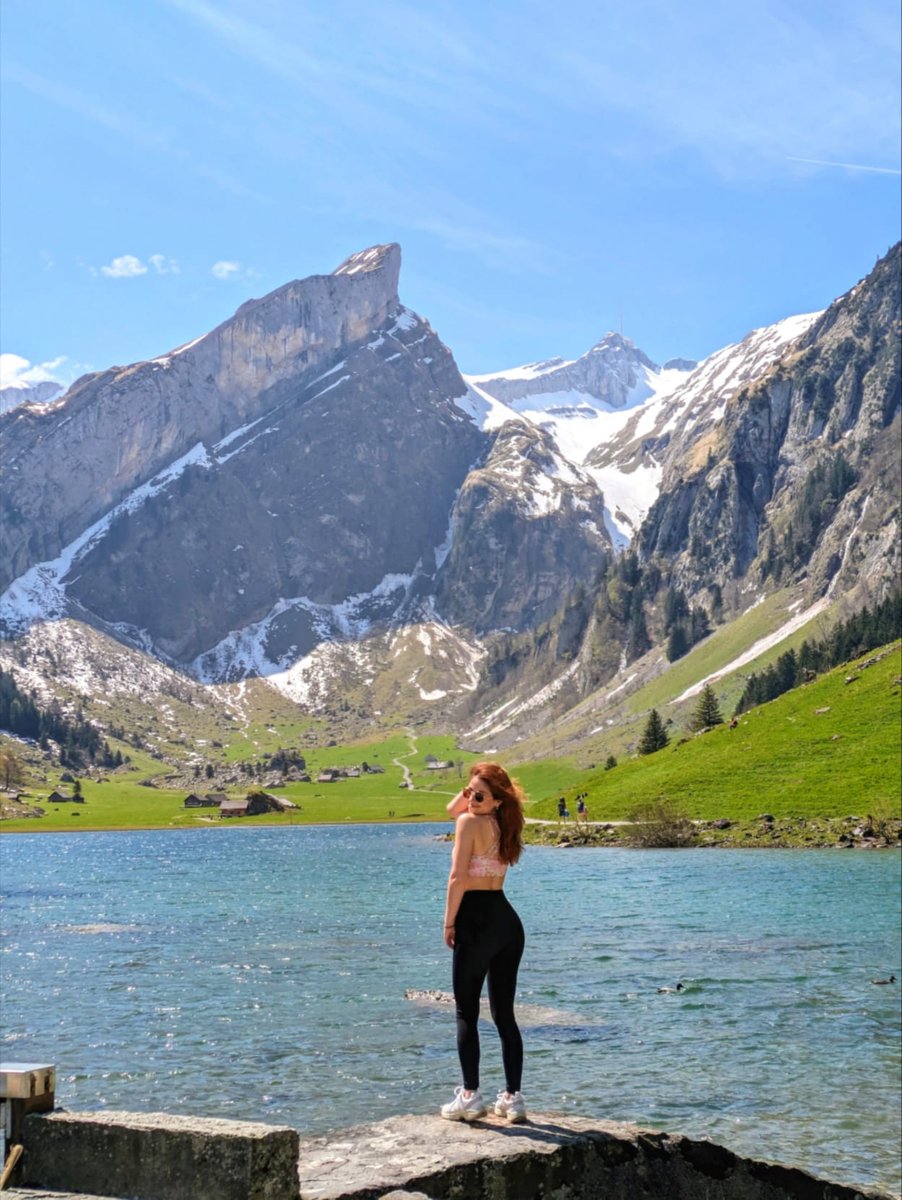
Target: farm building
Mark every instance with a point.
(255, 803)
(233, 808)
(59, 797)
(210, 800)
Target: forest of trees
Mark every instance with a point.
(282, 760)
(80, 743)
(812, 510)
(683, 625)
(867, 629)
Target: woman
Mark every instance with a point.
(485, 933)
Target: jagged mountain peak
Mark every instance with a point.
(41, 392)
(614, 344)
(155, 412)
(791, 473)
(386, 257)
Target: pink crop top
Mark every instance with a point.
(487, 865)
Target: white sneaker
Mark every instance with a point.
(463, 1109)
(513, 1107)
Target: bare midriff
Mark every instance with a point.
(487, 883)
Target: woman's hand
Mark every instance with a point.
(458, 805)
(449, 936)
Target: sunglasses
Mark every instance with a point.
(470, 793)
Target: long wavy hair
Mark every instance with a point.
(510, 812)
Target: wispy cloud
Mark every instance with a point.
(126, 266)
(131, 129)
(16, 371)
(744, 88)
(89, 109)
(225, 269)
(819, 162)
(163, 265)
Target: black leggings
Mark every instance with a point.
(488, 940)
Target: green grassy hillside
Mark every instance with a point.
(829, 748)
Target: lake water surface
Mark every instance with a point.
(259, 973)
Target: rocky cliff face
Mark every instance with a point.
(312, 451)
(798, 478)
(527, 527)
(70, 462)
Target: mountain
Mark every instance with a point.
(777, 470)
(692, 398)
(301, 474)
(584, 403)
(311, 494)
(797, 476)
(19, 392)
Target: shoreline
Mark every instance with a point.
(778, 833)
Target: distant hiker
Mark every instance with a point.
(485, 934)
(581, 810)
(562, 813)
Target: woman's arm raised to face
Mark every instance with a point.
(464, 836)
(458, 805)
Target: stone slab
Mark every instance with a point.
(549, 1158)
(43, 1194)
(157, 1156)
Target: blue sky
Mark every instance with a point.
(550, 170)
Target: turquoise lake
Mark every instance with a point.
(259, 974)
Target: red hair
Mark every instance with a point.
(510, 811)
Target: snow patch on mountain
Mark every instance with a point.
(40, 594)
(246, 651)
(504, 715)
(614, 382)
(757, 648)
(722, 374)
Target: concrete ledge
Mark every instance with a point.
(549, 1158)
(155, 1156)
(43, 1194)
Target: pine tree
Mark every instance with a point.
(654, 735)
(675, 608)
(677, 643)
(699, 625)
(638, 640)
(610, 762)
(707, 712)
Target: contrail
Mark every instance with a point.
(818, 162)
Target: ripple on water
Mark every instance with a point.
(236, 975)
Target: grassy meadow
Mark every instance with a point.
(829, 748)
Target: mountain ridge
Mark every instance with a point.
(332, 504)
